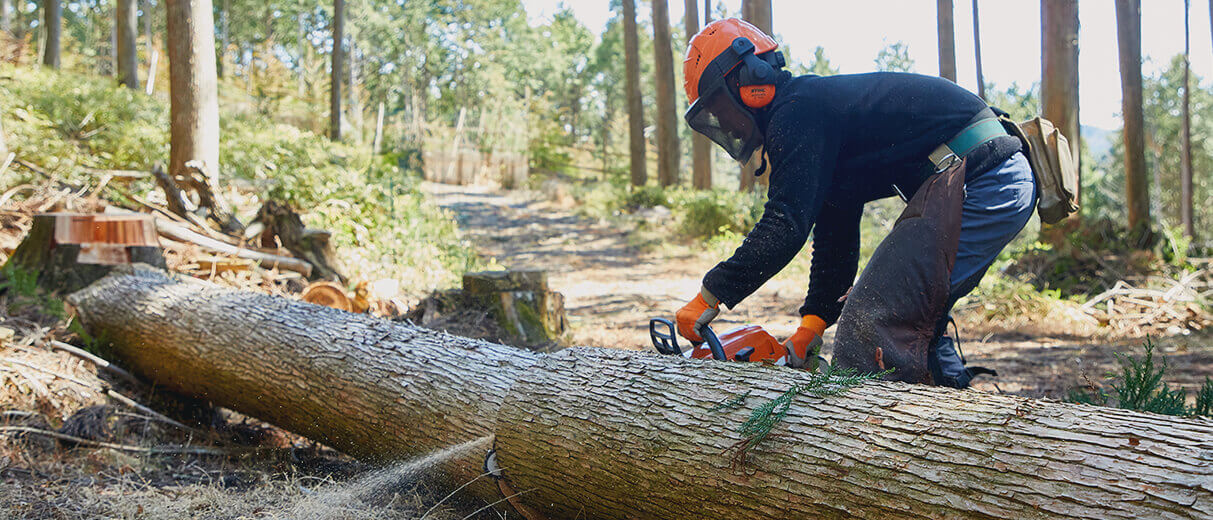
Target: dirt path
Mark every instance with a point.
(612, 286)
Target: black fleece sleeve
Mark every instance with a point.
(835, 260)
(803, 147)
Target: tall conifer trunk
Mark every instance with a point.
(636, 141)
(1137, 190)
(193, 93)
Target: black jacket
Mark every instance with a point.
(835, 143)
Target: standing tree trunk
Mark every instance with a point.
(127, 20)
(6, 15)
(757, 12)
(193, 92)
(947, 39)
(636, 141)
(981, 80)
(335, 74)
(701, 147)
(1137, 189)
(1185, 198)
(669, 152)
(147, 29)
(224, 38)
(614, 434)
(1059, 90)
(707, 11)
(52, 18)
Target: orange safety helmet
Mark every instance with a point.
(715, 39)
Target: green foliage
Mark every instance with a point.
(1103, 194)
(765, 417)
(56, 118)
(1140, 385)
(818, 65)
(646, 197)
(731, 403)
(706, 214)
(895, 57)
(23, 296)
(1022, 104)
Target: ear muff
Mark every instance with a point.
(757, 78)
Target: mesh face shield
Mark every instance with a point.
(723, 120)
(717, 115)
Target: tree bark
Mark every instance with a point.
(52, 18)
(599, 433)
(669, 152)
(947, 39)
(6, 15)
(1059, 68)
(194, 98)
(701, 147)
(981, 80)
(1185, 198)
(335, 75)
(371, 388)
(1137, 189)
(636, 141)
(126, 17)
(757, 12)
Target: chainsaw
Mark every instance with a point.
(748, 343)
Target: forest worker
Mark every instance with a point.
(831, 145)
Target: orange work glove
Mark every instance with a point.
(805, 344)
(696, 314)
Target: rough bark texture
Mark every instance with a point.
(631, 50)
(338, 58)
(1137, 189)
(194, 99)
(981, 80)
(669, 152)
(1185, 174)
(126, 18)
(369, 387)
(701, 146)
(597, 433)
(1059, 69)
(947, 38)
(52, 18)
(523, 305)
(757, 12)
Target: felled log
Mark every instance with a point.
(614, 434)
(68, 251)
(372, 388)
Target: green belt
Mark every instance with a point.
(986, 128)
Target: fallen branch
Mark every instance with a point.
(185, 450)
(88, 356)
(182, 234)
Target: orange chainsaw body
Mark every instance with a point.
(763, 346)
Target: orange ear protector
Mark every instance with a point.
(757, 77)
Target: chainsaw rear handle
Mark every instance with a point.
(667, 342)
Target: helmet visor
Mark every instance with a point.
(723, 120)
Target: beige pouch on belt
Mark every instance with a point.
(1054, 167)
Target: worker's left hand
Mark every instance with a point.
(805, 344)
(696, 314)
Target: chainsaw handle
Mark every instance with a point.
(713, 343)
(665, 343)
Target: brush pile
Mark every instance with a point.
(1156, 306)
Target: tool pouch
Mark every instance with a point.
(1054, 167)
(903, 292)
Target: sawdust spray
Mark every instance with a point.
(338, 500)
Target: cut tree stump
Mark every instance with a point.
(278, 221)
(606, 434)
(522, 304)
(68, 251)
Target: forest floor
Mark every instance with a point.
(617, 274)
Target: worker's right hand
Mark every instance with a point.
(805, 344)
(696, 314)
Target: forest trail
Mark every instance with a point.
(612, 286)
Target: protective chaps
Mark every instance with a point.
(890, 316)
